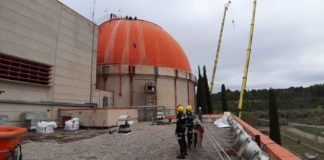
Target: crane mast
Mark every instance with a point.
(218, 48)
(246, 68)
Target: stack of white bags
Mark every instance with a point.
(45, 127)
(72, 124)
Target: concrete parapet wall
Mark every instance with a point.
(143, 70)
(182, 74)
(166, 71)
(274, 150)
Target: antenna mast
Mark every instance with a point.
(218, 48)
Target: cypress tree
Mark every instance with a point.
(198, 95)
(224, 100)
(201, 94)
(274, 121)
(206, 92)
(201, 98)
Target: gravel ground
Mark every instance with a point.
(146, 142)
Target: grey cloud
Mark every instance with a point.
(288, 42)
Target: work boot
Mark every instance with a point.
(181, 157)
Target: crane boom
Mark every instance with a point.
(218, 48)
(246, 68)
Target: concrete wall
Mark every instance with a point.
(120, 88)
(21, 91)
(182, 92)
(170, 90)
(139, 96)
(13, 111)
(99, 98)
(166, 95)
(48, 32)
(100, 117)
(192, 94)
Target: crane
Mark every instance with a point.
(218, 48)
(248, 54)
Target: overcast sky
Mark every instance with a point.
(288, 43)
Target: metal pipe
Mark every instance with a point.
(218, 48)
(188, 93)
(131, 85)
(246, 68)
(92, 46)
(47, 103)
(175, 93)
(120, 81)
(155, 94)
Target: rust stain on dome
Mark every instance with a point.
(138, 42)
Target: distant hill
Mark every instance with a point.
(301, 102)
(288, 98)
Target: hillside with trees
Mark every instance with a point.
(300, 104)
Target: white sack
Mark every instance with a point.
(45, 127)
(221, 122)
(72, 124)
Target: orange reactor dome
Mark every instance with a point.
(139, 42)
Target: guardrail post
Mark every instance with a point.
(258, 140)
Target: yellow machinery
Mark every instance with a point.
(218, 48)
(246, 68)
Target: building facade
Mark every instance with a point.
(47, 56)
(49, 61)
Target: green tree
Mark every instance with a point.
(274, 121)
(206, 92)
(203, 95)
(201, 99)
(224, 100)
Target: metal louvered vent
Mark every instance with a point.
(17, 69)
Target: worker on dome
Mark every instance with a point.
(190, 117)
(180, 132)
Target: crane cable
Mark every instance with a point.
(214, 141)
(227, 145)
(210, 139)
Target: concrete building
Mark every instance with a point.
(48, 57)
(143, 65)
(48, 62)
